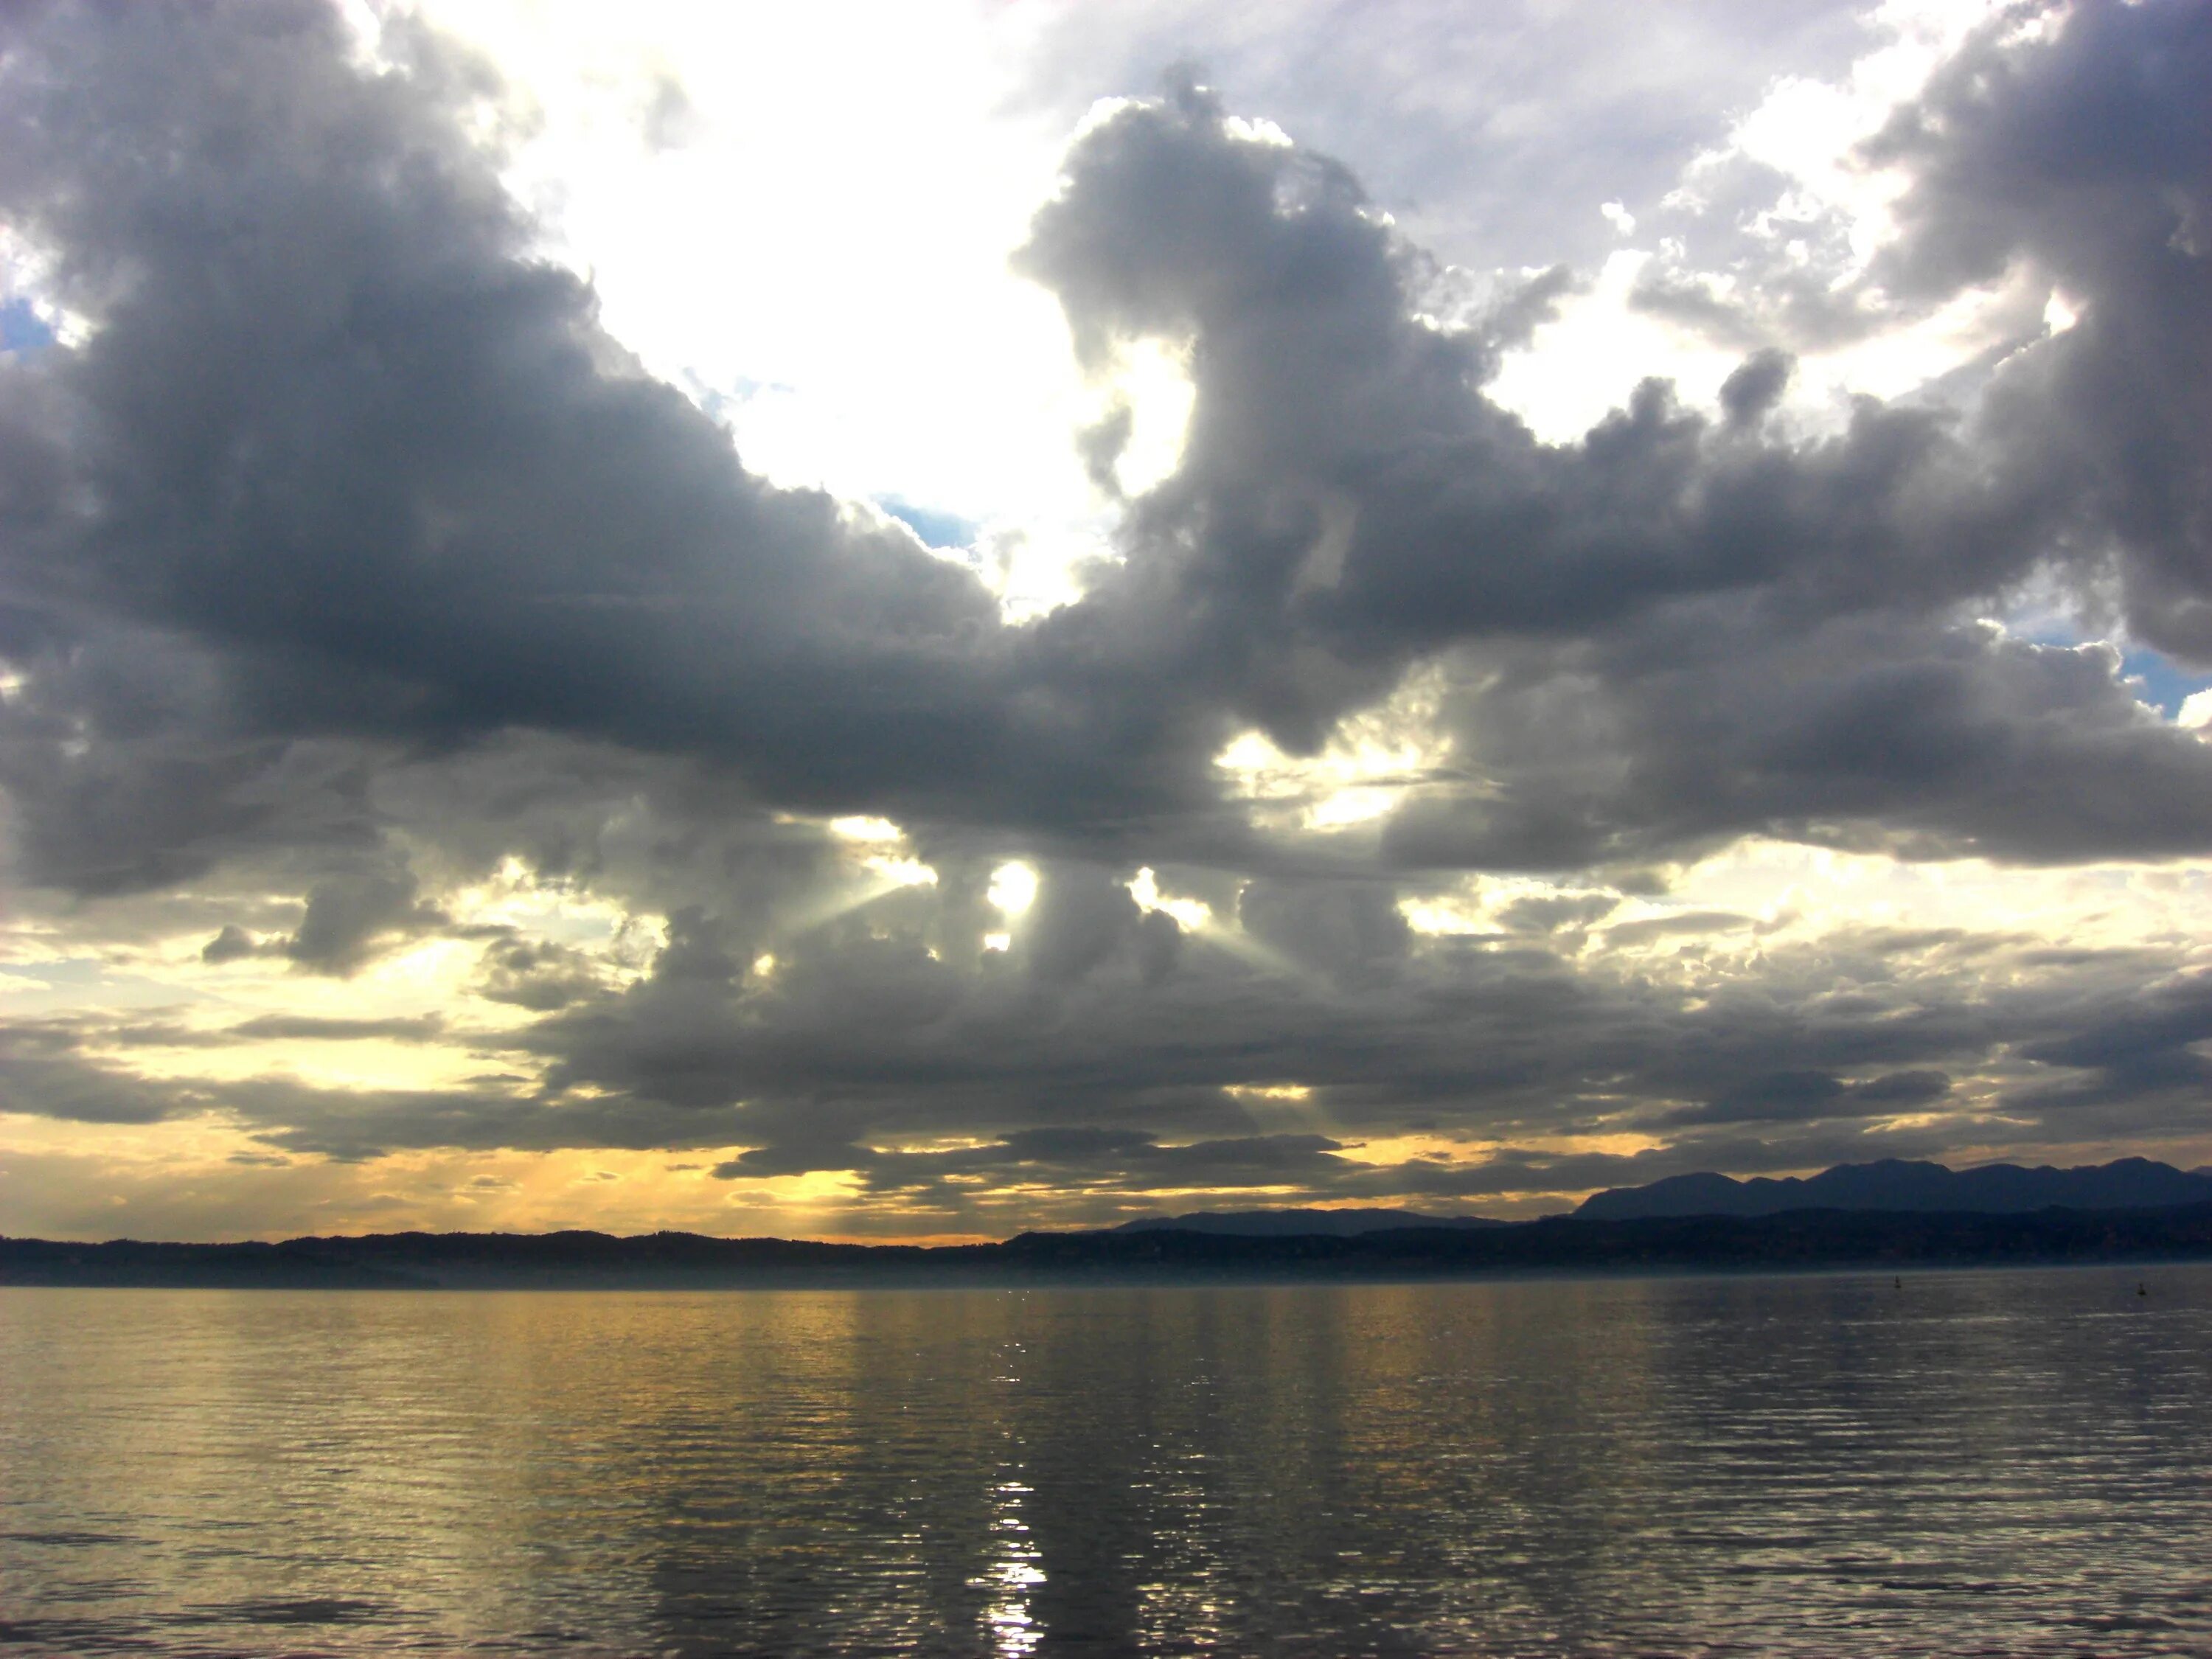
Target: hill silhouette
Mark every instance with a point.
(1882, 1239)
(1300, 1224)
(2128, 1183)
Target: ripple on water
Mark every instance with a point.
(2000, 1462)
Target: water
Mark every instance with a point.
(1995, 1462)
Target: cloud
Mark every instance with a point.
(1684, 921)
(412, 490)
(41, 1074)
(360, 590)
(1496, 131)
(2079, 152)
(1667, 635)
(232, 944)
(1086, 1158)
(538, 975)
(1811, 1096)
(373, 470)
(350, 918)
(350, 1124)
(314, 1028)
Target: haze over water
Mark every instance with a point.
(2006, 1462)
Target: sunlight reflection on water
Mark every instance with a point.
(2015, 1462)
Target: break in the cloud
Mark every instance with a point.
(446, 782)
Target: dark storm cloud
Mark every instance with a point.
(349, 918)
(1090, 1159)
(1812, 1096)
(2088, 156)
(1664, 636)
(356, 1124)
(124, 759)
(340, 459)
(346, 556)
(314, 1029)
(334, 428)
(232, 944)
(2136, 1064)
(1677, 734)
(2064, 147)
(874, 1036)
(42, 1074)
(537, 976)
(1112, 1084)
(1345, 927)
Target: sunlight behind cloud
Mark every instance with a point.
(862, 829)
(1013, 888)
(1583, 365)
(951, 385)
(1191, 912)
(1151, 385)
(901, 872)
(1373, 761)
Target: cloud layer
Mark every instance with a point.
(465, 752)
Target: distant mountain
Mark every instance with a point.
(1299, 1224)
(2130, 1184)
(1886, 1239)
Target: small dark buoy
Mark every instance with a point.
(2142, 1289)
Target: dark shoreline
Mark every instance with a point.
(1803, 1239)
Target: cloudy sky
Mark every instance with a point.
(928, 618)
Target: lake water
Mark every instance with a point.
(2004, 1463)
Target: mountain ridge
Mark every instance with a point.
(2126, 1183)
(1792, 1241)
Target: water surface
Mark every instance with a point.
(2010, 1462)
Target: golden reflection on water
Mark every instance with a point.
(1783, 1464)
(1013, 1574)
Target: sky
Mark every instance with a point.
(927, 619)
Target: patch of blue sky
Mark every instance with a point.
(2157, 680)
(23, 331)
(936, 528)
(723, 405)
